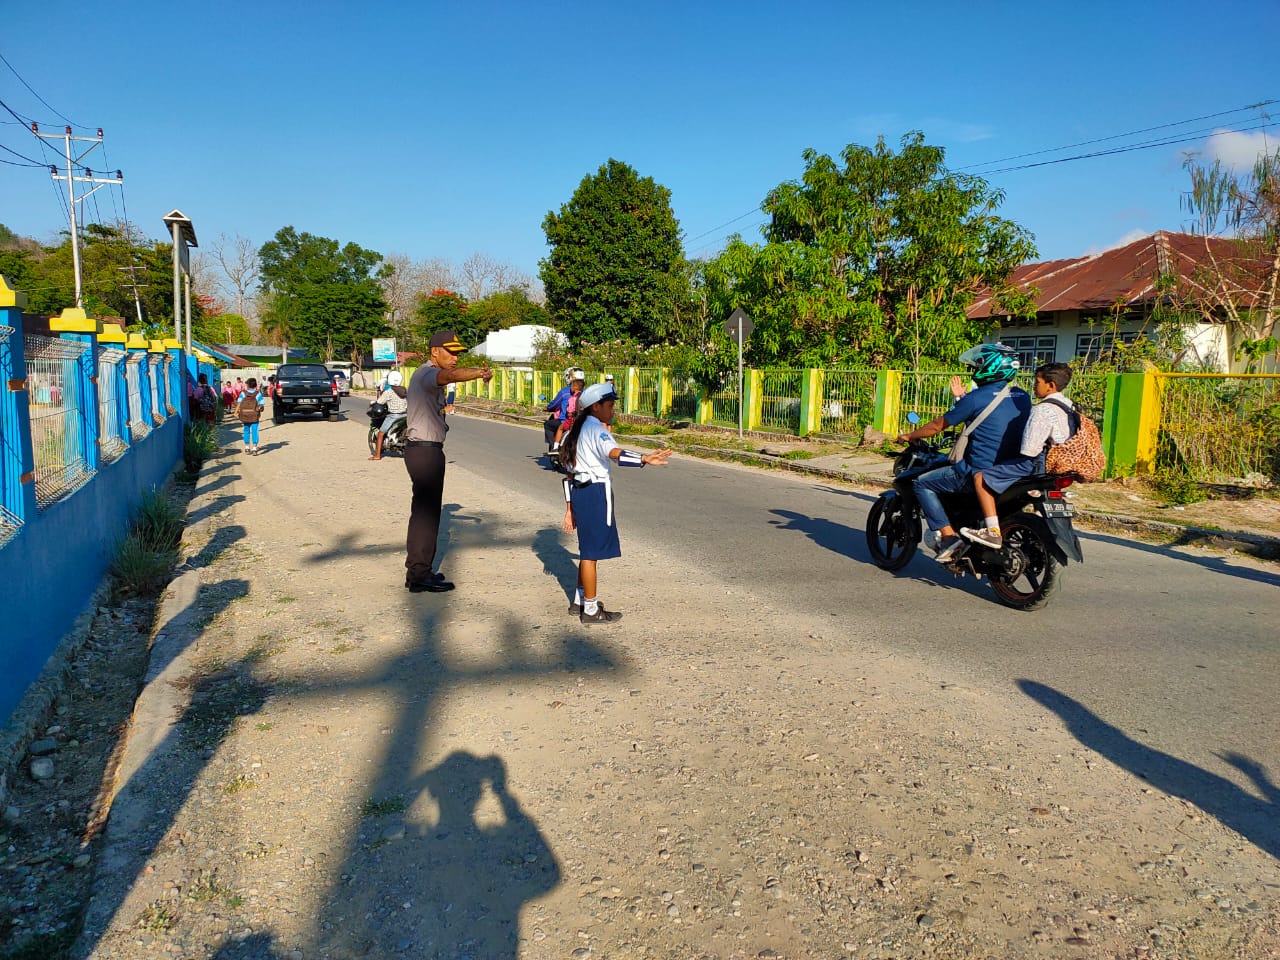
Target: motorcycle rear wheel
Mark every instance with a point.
(893, 533)
(1035, 573)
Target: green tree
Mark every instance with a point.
(441, 310)
(615, 268)
(222, 328)
(505, 308)
(869, 260)
(328, 295)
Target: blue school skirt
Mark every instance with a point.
(597, 526)
(1001, 476)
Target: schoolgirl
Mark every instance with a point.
(586, 453)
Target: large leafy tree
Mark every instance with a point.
(615, 267)
(440, 310)
(505, 308)
(327, 295)
(110, 255)
(222, 328)
(869, 259)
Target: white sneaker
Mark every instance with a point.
(949, 550)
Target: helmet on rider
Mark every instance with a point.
(395, 378)
(991, 363)
(577, 375)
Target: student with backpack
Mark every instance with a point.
(249, 412)
(206, 401)
(1050, 423)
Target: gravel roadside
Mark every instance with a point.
(356, 771)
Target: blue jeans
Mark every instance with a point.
(928, 486)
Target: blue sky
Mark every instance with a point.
(443, 129)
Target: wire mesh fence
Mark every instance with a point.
(928, 394)
(1217, 428)
(153, 388)
(684, 395)
(9, 431)
(111, 441)
(138, 425)
(848, 401)
(57, 421)
(725, 404)
(780, 399)
(648, 395)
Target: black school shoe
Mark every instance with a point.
(575, 609)
(600, 616)
(437, 584)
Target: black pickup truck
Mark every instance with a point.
(304, 388)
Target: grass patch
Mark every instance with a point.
(264, 647)
(199, 443)
(157, 918)
(264, 726)
(208, 889)
(286, 599)
(1177, 489)
(40, 946)
(344, 647)
(641, 429)
(797, 455)
(382, 808)
(137, 569)
(241, 782)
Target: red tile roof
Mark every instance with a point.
(1128, 273)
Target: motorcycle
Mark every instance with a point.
(1035, 524)
(394, 441)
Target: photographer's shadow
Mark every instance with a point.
(466, 877)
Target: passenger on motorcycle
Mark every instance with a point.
(576, 386)
(1048, 424)
(396, 398)
(998, 435)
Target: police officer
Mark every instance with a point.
(424, 456)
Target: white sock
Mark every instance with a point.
(577, 596)
(590, 607)
(556, 445)
(991, 523)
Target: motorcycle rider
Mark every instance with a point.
(568, 409)
(997, 437)
(396, 398)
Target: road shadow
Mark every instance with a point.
(226, 480)
(556, 559)
(836, 537)
(1217, 564)
(868, 498)
(268, 447)
(213, 507)
(1258, 820)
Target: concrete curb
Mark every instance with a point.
(1253, 544)
(160, 703)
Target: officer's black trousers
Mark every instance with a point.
(426, 470)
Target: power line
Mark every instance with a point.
(36, 95)
(30, 162)
(1119, 136)
(1182, 137)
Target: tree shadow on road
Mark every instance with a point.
(1258, 820)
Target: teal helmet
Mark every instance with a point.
(991, 362)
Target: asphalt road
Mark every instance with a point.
(1177, 649)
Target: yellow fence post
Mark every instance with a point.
(633, 389)
(753, 399)
(811, 382)
(888, 402)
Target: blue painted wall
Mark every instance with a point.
(51, 568)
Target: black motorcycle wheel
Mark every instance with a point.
(373, 442)
(893, 533)
(1034, 574)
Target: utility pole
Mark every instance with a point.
(70, 177)
(135, 286)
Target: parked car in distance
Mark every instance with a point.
(348, 371)
(341, 382)
(304, 388)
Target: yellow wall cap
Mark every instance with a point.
(137, 341)
(171, 344)
(10, 297)
(75, 320)
(156, 346)
(111, 333)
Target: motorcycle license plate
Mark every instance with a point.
(1058, 508)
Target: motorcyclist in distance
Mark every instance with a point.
(997, 437)
(396, 397)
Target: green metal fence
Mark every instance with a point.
(1217, 428)
(647, 392)
(780, 399)
(848, 401)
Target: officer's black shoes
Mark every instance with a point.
(575, 609)
(600, 616)
(437, 584)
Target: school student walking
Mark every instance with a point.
(249, 412)
(587, 453)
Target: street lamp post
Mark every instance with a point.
(184, 238)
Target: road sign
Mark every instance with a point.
(384, 350)
(739, 325)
